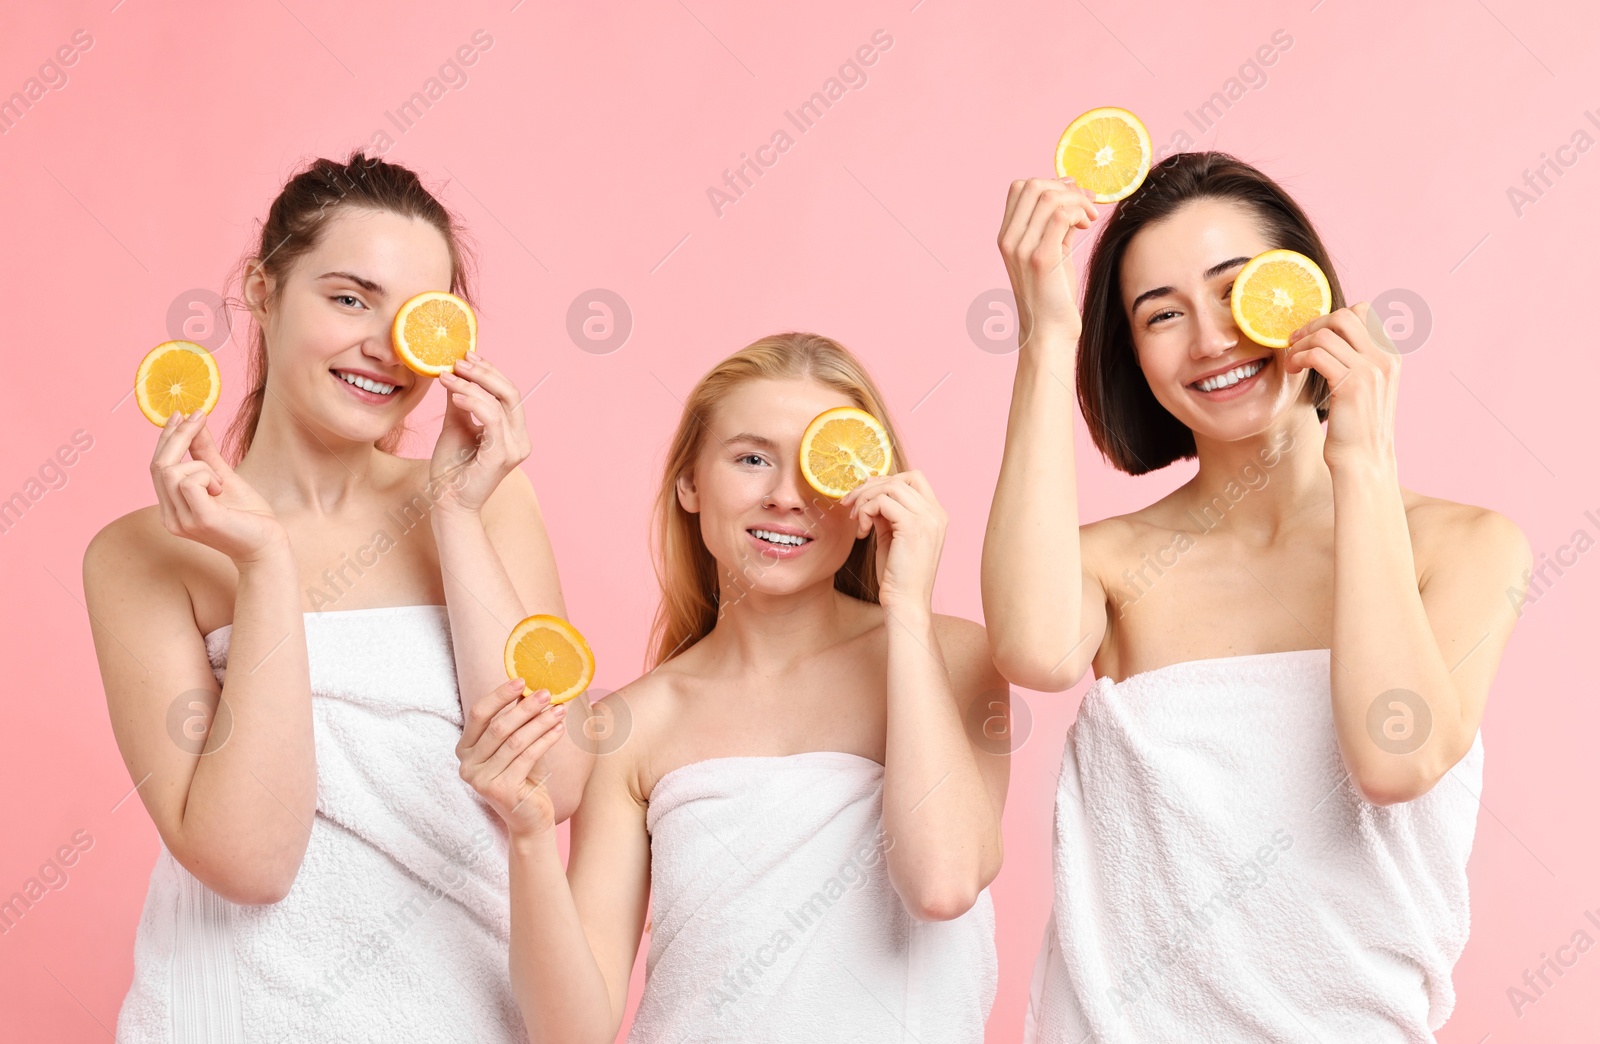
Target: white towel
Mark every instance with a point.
(774, 919)
(1218, 878)
(397, 926)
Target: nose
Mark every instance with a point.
(378, 344)
(789, 491)
(1217, 334)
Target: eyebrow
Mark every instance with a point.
(750, 437)
(1210, 273)
(366, 284)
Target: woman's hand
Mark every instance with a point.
(910, 527)
(1364, 377)
(503, 742)
(1042, 217)
(469, 461)
(203, 499)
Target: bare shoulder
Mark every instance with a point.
(136, 550)
(1106, 543)
(1449, 536)
(631, 723)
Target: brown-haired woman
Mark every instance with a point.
(794, 787)
(1267, 801)
(325, 875)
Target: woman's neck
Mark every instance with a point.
(298, 469)
(770, 633)
(1261, 485)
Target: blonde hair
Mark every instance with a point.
(685, 568)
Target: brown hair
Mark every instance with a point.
(685, 568)
(295, 224)
(1129, 426)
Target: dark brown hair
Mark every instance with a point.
(1131, 428)
(295, 224)
(685, 568)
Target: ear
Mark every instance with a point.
(258, 287)
(688, 495)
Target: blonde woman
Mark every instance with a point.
(288, 642)
(797, 792)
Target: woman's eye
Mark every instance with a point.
(348, 299)
(1157, 316)
(752, 459)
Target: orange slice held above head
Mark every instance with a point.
(842, 448)
(433, 331)
(548, 653)
(176, 377)
(1276, 293)
(1106, 151)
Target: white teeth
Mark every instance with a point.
(365, 383)
(1232, 377)
(781, 538)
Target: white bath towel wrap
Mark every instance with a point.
(774, 919)
(1218, 877)
(398, 924)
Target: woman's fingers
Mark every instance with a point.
(505, 737)
(483, 711)
(482, 372)
(545, 732)
(178, 488)
(175, 439)
(204, 448)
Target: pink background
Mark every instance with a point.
(580, 151)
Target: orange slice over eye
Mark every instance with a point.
(842, 448)
(1276, 293)
(433, 331)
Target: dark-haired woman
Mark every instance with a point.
(1267, 801)
(325, 875)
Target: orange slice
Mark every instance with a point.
(1106, 151)
(548, 653)
(433, 331)
(176, 376)
(1276, 293)
(842, 448)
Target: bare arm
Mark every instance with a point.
(574, 935)
(493, 550)
(942, 794)
(945, 780)
(1045, 612)
(232, 787)
(1412, 656)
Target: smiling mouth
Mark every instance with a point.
(366, 384)
(777, 539)
(1242, 372)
